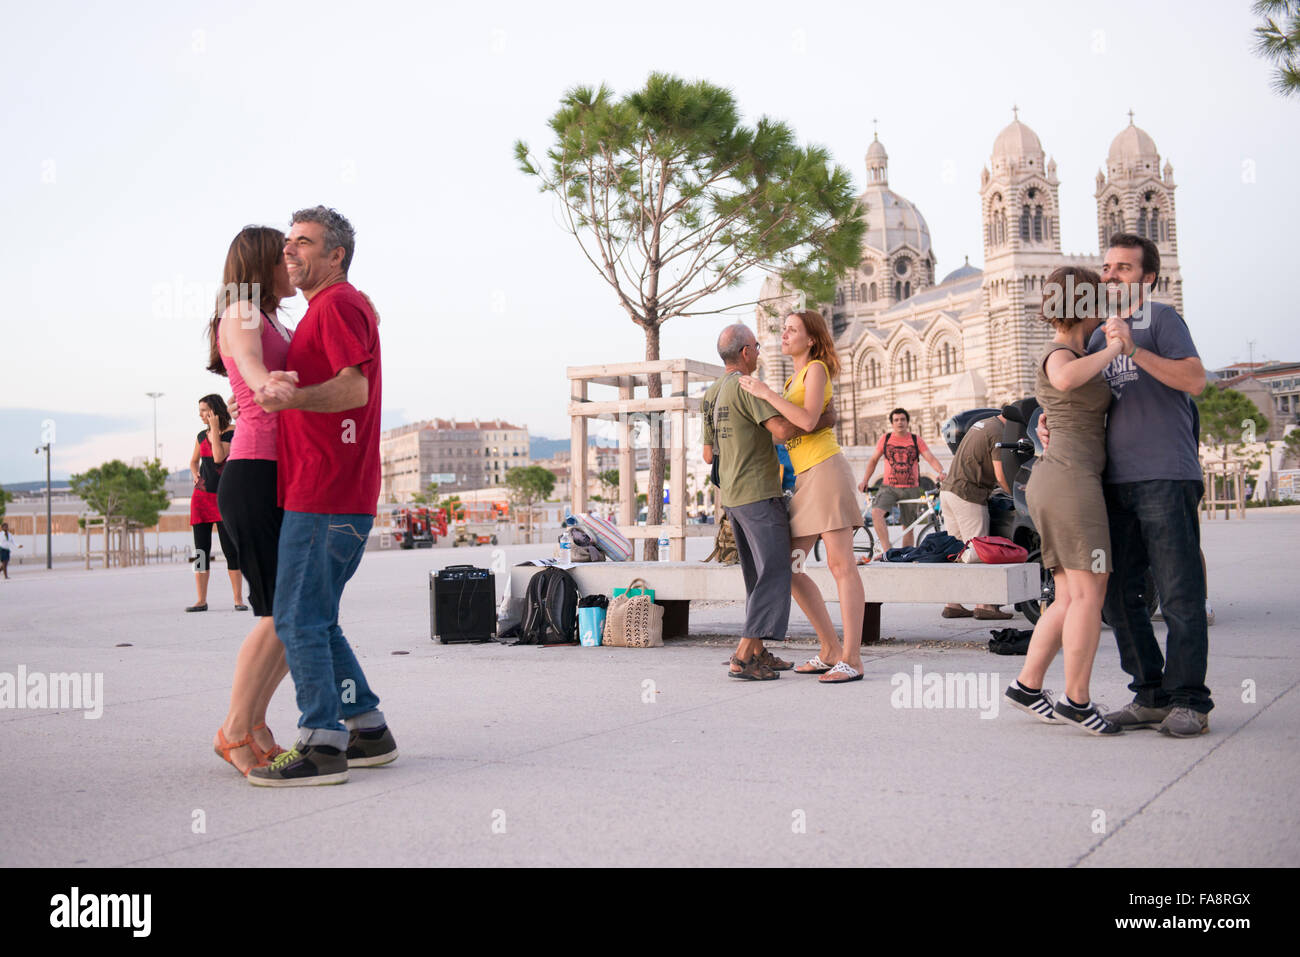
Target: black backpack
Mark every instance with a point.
(550, 609)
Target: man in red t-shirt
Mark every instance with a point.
(902, 451)
(329, 404)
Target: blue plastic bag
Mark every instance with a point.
(591, 626)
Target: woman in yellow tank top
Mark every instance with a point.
(825, 503)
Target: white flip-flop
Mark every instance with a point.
(819, 667)
(840, 669)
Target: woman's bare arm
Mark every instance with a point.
(802, 417)
(242, 338)
(1066, 371)
(220, 449)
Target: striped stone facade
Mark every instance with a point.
(970, 339)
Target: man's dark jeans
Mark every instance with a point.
(1155, 523)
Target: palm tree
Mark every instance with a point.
(1278, 39)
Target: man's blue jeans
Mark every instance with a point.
(1155, 523)
(317, 556)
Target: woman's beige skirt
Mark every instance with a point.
(825, 498)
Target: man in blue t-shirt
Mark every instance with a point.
(1153, 485)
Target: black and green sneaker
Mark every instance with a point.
(371, 748)
(302, 765)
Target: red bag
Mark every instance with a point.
(995, 550)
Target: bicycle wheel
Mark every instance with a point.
(1033, 608)
(864, 542)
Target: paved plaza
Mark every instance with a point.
(586, 756)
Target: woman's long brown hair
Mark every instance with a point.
(249, 274)
(823, 346)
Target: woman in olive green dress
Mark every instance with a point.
(1067, 504)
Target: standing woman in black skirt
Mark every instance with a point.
(210, 450)
(247, 342)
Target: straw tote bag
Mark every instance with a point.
(634, 621)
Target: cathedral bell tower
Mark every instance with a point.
(1022, 245)
(1135, 196)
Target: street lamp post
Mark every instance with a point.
(155, 396)
(157, 529)
(49, 508)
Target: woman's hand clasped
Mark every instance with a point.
(1119, 336)
(278, 391)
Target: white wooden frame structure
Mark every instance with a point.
(677, 376)
(1231, 495)
(124, 544)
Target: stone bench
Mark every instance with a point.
(676, 584)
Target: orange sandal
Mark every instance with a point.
(266, 757)
(225, 747)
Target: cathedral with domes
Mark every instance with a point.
(938, 346)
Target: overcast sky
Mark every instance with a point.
(140, 138)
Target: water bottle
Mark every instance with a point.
(663, 548)
(566, 547)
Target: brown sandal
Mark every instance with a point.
(752, 670)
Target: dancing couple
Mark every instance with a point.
(742, 418)
(1116, 493)
(298, 495)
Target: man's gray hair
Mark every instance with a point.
(732, 341)
(338, 231)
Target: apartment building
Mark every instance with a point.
(458, 456)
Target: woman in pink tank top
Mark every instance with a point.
(248, 343)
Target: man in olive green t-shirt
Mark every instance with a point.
(739, 428)
(975, 473)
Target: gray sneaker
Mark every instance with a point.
(302, 765)
(1134, 716)
(371, 748)
(1185, 723)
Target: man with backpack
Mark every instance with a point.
(739, 429)
(902, 451)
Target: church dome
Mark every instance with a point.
(1017, 142)
(1133, 147)
(962, 272)
(892, 221)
